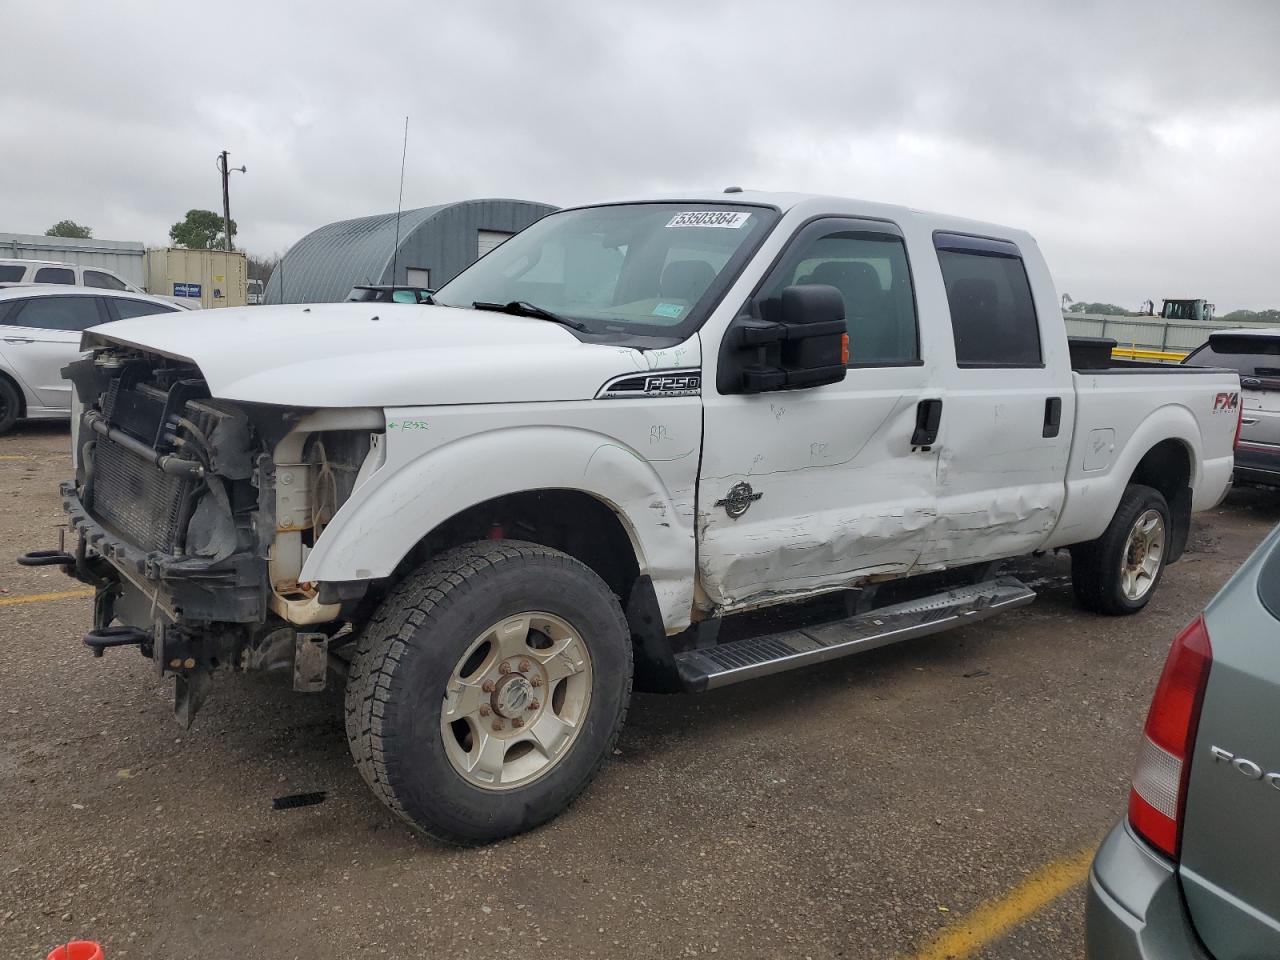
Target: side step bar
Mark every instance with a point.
(711, 667)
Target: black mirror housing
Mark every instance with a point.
(805, 346)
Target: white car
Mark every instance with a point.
(14, 272)
(40, 330)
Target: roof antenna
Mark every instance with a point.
(395, 255)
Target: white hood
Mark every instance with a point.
(378, 354)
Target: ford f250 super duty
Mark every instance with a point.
(597, 452)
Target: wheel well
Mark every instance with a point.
(1167, 468)
(17, 388)
(569, 520)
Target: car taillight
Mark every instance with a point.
(1159, 791)
(1235, 444)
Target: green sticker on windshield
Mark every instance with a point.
(672, 310)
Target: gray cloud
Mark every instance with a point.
(1138, 141)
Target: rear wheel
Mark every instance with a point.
(489, 689)
(1118, 573)
(10, 404)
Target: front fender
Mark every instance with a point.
(419, 487)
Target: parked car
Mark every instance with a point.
(388, 293)
(65, 274)
(618, 430)
(1191, 872)
(1254, 353)
(40, 332)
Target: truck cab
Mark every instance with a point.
(592, 452)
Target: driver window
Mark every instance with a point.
(872, 274)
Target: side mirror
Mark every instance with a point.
(806, 346)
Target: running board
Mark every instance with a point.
(710, 667)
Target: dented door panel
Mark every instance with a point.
(840, 495)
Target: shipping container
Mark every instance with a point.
(214, 277)
(125, 258)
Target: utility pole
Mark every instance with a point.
(226, 195)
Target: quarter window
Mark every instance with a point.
(871, 272)
(96, 278)
(56, 275)
(993, 317)
(57, 313)
(138, 308)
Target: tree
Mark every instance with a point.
(200, 230)
(1107, 309)
(1257, 316)
(69, 228)
(260, 267)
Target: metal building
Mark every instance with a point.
(126, 258)
(436, 244)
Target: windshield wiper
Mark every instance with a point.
(523, 308)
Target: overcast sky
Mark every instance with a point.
(1139, 141)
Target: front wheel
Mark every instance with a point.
(10, 404)
(489, 689)
(1118, 573)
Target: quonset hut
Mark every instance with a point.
(436, 244)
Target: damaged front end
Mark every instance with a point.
(192, 516)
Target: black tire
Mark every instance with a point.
(10, 404)
(1096, 566)
(410, 649)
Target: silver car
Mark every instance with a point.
(1194, 870)
(40, 328)
(1254, 354)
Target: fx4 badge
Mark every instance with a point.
(1226, 402)
(739, 497)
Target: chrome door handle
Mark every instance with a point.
(1249, 421)
(18, 340)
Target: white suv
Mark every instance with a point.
(70, 274)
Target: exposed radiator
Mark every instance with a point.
(139, 501)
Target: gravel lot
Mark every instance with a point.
(849, 810)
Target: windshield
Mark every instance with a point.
(646, 269)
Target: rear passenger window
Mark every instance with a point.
(55, 275)
(870, 270)
(11, 273)
(96, 278)
(993, 317)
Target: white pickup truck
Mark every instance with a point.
(608, 439)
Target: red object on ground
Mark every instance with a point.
(77, 950)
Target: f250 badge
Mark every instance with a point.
(662, 383)
(1226, 402)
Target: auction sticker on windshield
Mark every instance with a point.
(731, 219)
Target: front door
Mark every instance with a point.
(812, 489)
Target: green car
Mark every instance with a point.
(1194, 870)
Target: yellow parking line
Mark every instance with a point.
(43, 597)
(995, 918)
(14, 456)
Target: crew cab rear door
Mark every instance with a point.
(1008, 404)
(1231, 826)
